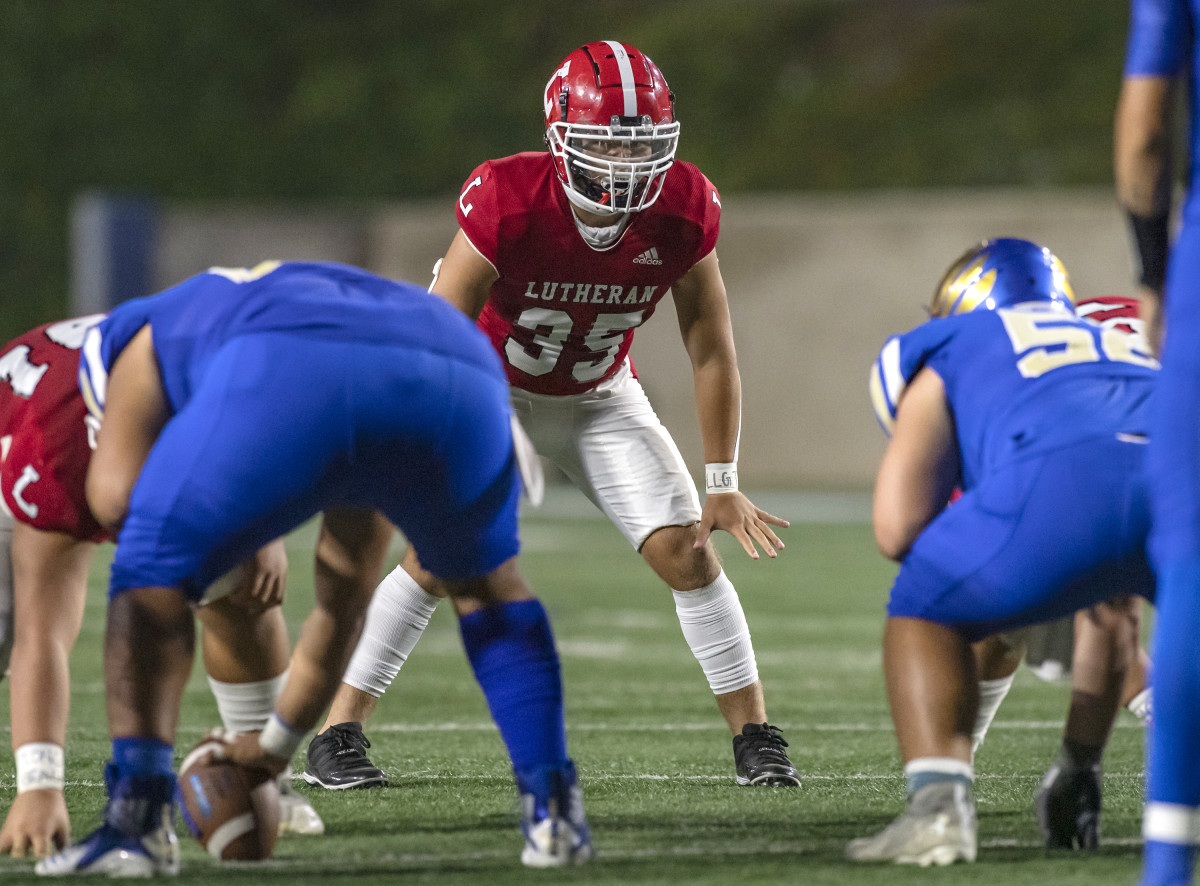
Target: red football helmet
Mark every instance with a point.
(610, 127)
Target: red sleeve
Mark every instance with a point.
(478, 211)
(45, 440)
(712, 218)
(42, 480)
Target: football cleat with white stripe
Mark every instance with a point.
(937, 828)
(108, 851)
(296, 813)
(552, 821)
(137, 838)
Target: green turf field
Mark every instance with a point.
(654, 757)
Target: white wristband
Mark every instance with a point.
(720, 477)
(279, 739)
(40, 766)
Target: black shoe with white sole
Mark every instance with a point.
(761, 759)
(337, 760)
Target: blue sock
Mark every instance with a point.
(142, 757)
(140, 782)
(1173, 767)
(511, 650)
(1167, 864)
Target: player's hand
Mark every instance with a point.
(37, 822)
(270, 574)
(262, 579)
(243, 748)
(737, 515)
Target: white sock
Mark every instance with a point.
(398, 615)
(245, 707)
(923, 771)
(1142, 705)
(715, 628)
(991, 693)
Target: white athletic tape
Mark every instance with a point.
(720, 477)
(279, 739)
(40, 766)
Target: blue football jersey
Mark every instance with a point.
(191, 321)
(1021, 380)
(298, 387)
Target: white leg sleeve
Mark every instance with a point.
(399, 613)
(991, 693)
(715, 628)
(245, 707)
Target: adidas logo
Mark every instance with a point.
(649, 257)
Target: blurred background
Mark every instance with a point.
(859, 147)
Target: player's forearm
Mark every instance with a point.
(39, 691)
(919, 468)
(50, 575)
(1142, 146)
(320, 658)
(718, 395)
(1142, 173)
(349, 560)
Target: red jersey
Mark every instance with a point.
(562, 314)
(46, 435)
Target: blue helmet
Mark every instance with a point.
(1002, 272)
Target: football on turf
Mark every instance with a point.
(233, 811)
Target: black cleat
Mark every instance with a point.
(1068, 807)
(337, 760)
(761, 759)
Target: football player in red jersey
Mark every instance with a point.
(561, 255)
(47, 536)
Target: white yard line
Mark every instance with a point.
(881, 726)
(372, 864)
(599, 777)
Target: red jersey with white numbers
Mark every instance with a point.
(562, 314)
(46, 436)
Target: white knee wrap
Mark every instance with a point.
(399, 613)
(245, 707)
(715, 628)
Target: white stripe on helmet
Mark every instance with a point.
(626, 70)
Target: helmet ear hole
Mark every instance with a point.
(562, 104)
